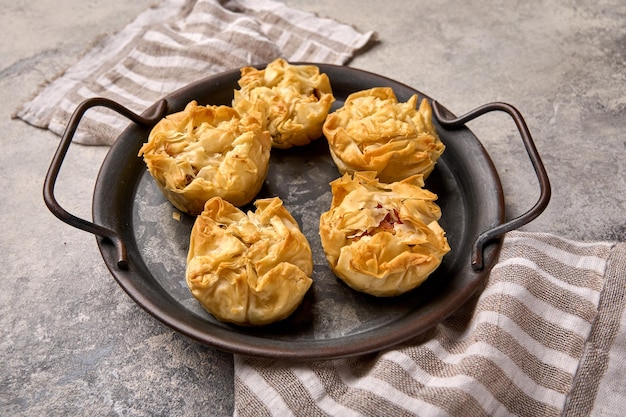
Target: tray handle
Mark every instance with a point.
(55, 166)
(540, 171)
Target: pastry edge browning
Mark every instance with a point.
(374, 132)
(375, 252)
(249, 269)
(207, 151)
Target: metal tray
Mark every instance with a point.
(145, 247)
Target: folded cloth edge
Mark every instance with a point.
(99, 51)
(51, 106)
(605, 329)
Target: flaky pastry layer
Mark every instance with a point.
(207, 151)
(374, 132)
(248, 269)
(382, 239)
(294, 99)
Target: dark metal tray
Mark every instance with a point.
(145, 247)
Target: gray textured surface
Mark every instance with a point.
(74, 344)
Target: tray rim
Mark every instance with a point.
(225, 339)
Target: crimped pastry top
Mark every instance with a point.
(295, 100)
(207, 151)
(375, 132)
(248, 268)
(382, 239)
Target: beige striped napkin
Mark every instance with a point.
(535, 341)
(179, 42)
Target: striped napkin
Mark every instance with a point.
(535, 341)
(177, 43)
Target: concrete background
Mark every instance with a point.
(74, 344)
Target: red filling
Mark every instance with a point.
(385, 225)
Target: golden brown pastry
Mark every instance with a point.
(295, 100)
(249, 269)
(207, 151)
(374, 132)
(382, 239)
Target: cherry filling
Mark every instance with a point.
(386, 224)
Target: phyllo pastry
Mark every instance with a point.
(207, 151)
(374, 132)
(382, 239)
(295, 100)
(249, 269)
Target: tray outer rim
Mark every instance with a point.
(138, 283)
